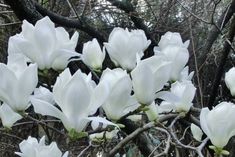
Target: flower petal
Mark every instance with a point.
(62, 58)
(118, 99)
(45, 37)
(143, 84)
(102, 120)
(76, 97)
(25, 86)
(44, 108)
(197, 132)
(8, 116)
(99, 96)
(7, 84)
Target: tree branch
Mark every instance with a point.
(214, 32)
(220, 69)
(66, 22)
(131, 137)
(32, 12)
(24, 9)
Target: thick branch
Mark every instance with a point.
(137, 134)
(214, 32)
(66, 22)
(32, 12)
(24, 9)
(131, 137)
(220, 69)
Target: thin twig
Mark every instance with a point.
(72, 8)
(197, 149)
(166, 150)
(194, 15)
(9, 24)
(43, 123)
(196, 64)
(84, 150)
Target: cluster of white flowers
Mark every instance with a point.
(135, 83)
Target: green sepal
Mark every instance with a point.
(219, 151)
(74, 135)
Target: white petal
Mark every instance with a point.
(197, 132)
(62, 34)
(143, 84)
(161, 75)
(45, 36)
(189, 92)
(118, 99)
(7, 85)
(44, 108)
(76, 97)
(74, 40)
(60, 84)
(27, 30)
(25, 86)
(62, 58)
(27, 48)
(186, 43)
(66, 154)
(42, 141)
(229, 80)
(102, 120)
(8, 116)
(203, 121)
(99, 96)
(52, 149)
(27, 147)
(166, 107)
(44, 94)
(92, 54)
(167, 96)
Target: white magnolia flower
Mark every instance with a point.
(230, 80)
(218, 124)
(173, 48)
(78, 97)
(17, 82)
(8, 116)
(178, 56)
(92, 55)
(149, 77)
(32, 148)
(179, 98)
(172, 38)
(44, 44)
(123, 46)
(196, 131)
(119, 102)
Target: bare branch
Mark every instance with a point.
(220, 69)
(214, 32)
(130, 137)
